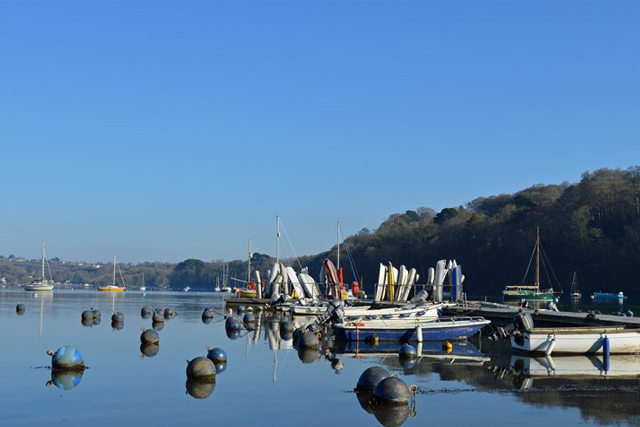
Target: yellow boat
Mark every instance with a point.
(113, 287)
(247, 293)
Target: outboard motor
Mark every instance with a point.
(551, 306)
(334, 313)
(523, 322)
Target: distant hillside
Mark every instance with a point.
(592, 227)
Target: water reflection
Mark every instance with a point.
(65, 380)
(148, 350)
(386, 414)
(200, 389)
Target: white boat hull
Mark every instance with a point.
(577, 366)
(578, 340)
(38, 288)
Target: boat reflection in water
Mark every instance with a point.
(65, 380)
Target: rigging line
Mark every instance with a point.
(526, 273)
(290, 244)
(46, 258)
(121, 276)
(544, 253)
(354, 271)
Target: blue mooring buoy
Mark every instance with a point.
(232, 324)
(217, 355)
(66, 359)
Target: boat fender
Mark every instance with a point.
(201, 368)
(370, 378)
(447, 347)
(149, 336)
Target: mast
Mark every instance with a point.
(338, 243)
(114, 270)
(277, 239)
(249, 264)
(538, 258)
(43, 260)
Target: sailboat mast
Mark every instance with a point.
(277, 239)
(43, 260)
(538, 258)
(249, 264)
(114, 270)
(338, 242)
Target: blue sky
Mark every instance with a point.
(162, 130)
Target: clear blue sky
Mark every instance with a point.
(162, 130)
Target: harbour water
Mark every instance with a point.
(268, 382)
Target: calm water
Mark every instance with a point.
(267, 382)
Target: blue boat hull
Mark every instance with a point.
(452, 332)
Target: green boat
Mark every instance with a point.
(532, 292)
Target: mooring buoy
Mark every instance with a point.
(217, 355)
(66, 358)
(392, 390)
(370, 378)
(201, 368)
(149, 336)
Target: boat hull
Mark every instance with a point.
(111, 289)
(429, 331)
(578, 340)
(38, 288)
(542, 296)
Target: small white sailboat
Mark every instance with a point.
(41, 284)
(143, 287)
(575, 291)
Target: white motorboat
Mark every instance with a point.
(578, 340)
(582, 366)
(41, 284)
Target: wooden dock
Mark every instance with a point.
(254, 302)
(504, 314)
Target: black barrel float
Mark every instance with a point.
(88, 314)
(158, 317)
(149, 350)
(308, 340)
(117, 317)
(307, 355)
(66, 359)
(200, 389)
(392, 390)
(370, 378)
(201, 368)
(208, 313)
(240, 309)
(217, 355)
(232, 324)
(145, 312)
(20, 308)
(408, 351)
(117, 326)
(169, 313)
(96, 312)
(149, 336)
(296, 335)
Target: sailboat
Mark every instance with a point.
(113, 287)
(575, 292)
(41, 284)
(143, 287)
(530, 292)
(249, 291)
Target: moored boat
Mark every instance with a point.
(41, 284)
(405, 330)
(609, 295)
(578, 340)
